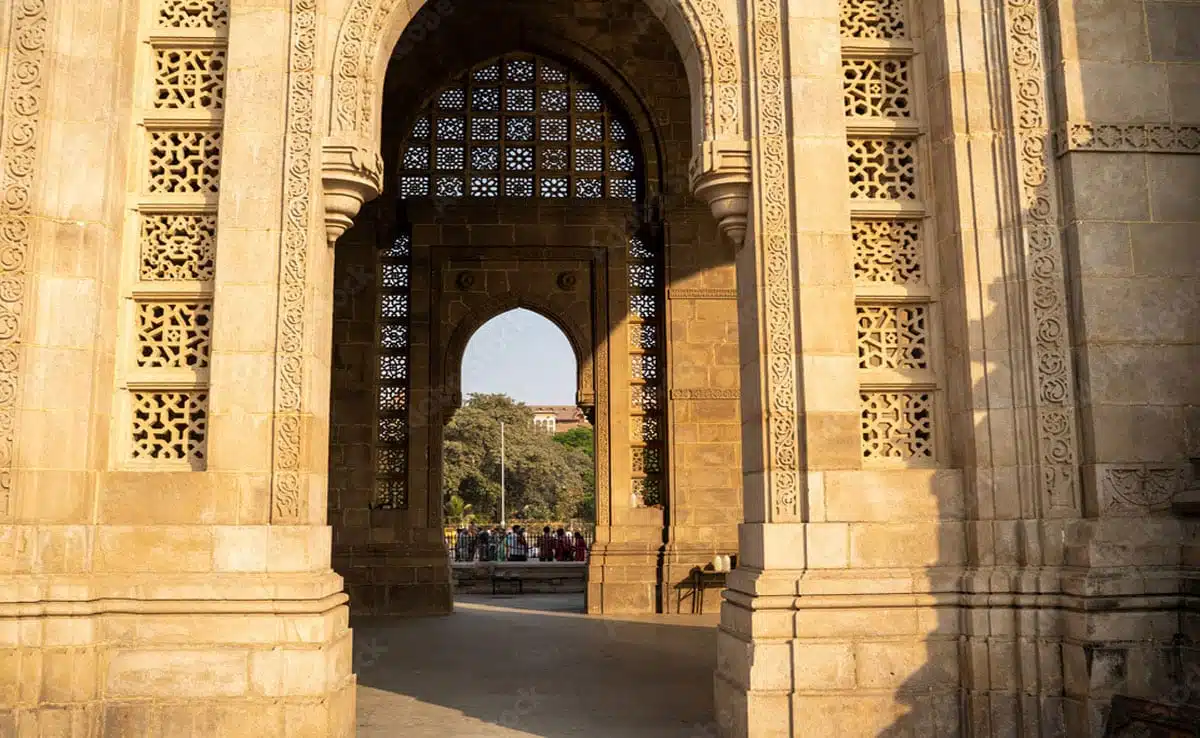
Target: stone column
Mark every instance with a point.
(62, 174)
(1127, 124)
(705, 432)
(148, 593)
(853, 539)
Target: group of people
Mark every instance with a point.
(494, 544)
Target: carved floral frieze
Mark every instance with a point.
(1154, 138)
(1136, 489)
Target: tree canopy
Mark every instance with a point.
(546, 477)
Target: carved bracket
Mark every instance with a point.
(351, 176)
(720, 175)
(585, 400)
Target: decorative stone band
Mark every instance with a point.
(20, 126)
(705, 394)
(1155, 138)
(702, 294)
(122, 606)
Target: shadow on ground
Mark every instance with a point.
(535, 665)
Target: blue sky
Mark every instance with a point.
(523, 355)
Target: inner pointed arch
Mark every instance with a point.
(466, 329)
(524, 354)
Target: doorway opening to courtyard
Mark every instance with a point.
(518, 463)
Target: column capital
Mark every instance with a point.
(720, 175)
(351, 175)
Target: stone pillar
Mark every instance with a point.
(1130, 177)
(623, 564)
(60, 242)
(189, 611)
(834, 621)
(705, 432)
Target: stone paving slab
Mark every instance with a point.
(502, 667)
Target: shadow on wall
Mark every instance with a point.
(506, 670)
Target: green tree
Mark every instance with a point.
(582, 438)
(458, 512)
(542, 478)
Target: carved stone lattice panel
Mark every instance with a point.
(170, 426)
(645, 428)
(882, 169)
(874, 19)
(897, 426)
(646, 461)
(193, 14)
(176, 242)
(646, 359)
(393, 386)
(893, 336)
(888, 251)
(877, 88)
(520, 125)
(642, 336)
(189, 79)
(177, 247)
(184, 162)
(173, 335)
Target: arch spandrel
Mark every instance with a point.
(707, 43)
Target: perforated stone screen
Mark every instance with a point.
(519, 125)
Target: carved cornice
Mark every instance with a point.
(22, 113)
(131, 606)
(705, 394)
(1155, 138)
(351, 176)
(720, 175)
(702, 294)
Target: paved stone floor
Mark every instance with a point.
(534, 665)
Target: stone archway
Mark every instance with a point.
(578, 334)
(699, 28)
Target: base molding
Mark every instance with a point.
(622, 579)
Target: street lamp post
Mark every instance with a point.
(502, 474)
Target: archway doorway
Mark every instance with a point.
(529, 172)
(518, 465)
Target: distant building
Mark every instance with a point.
(558, 418)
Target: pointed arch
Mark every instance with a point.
(370, 28)
(461, 333)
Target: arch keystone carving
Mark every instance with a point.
(720, 176)
(350, 176)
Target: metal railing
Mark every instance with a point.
(534, 545)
